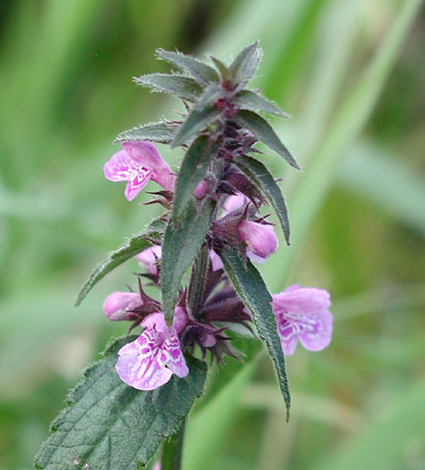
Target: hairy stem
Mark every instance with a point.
(172, 451)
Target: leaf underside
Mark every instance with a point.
(255, 295)
(108, 425)
(185, 88)
(161, 132)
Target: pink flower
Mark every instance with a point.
(302, 313)
(260, 239)
(148, 258)
(150, 360)
(137, 163)
(119, 305)
(216, 262)
(233, 202)
(201, 189)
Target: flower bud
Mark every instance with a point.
(201, 189)
(120, 305)
(209, 340)
(148, 258)
(234, 202)
(216, 262)
(261, 239)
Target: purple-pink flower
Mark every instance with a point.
(260, 239)
(148, 258)
(119, 305)
(233, 202)
(216, 262)
(201, 189)
(137, 163)
(302, 313)
(150, 360)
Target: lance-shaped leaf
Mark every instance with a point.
(134, 246)
(162, 132)
(202, 114)
(242, 69)
(108, 424)
(247, 99)
(193, 169)
(254, 294)
(185, 88)
(181, 244)
(263, 131)
(264, 181)
(224, 71)
(200, 71)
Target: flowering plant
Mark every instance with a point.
(142, 390)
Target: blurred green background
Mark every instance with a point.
(352, 74)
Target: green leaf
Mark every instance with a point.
(224, 71)
(185, 88)
(181, 244)
(254, 294)
(252, 101)
(134, 246)
(200, 71)
(242, 69)
(108, 424)
(263, 180)
(264, 132)
(202, 114)
(193, 169)
(197, 120)
(162, 132)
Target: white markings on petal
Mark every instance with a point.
(150, 360)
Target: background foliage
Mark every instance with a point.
(351, 74)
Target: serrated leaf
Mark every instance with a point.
(255, 295)
(185, 88)
(134, 246)
(181, 244)
(200, 71)
(252, 101)
(242, 69)
(264, 181)
(199, 117)
(264, 132)
(108, 424)
(162, 132)
(193, 169)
